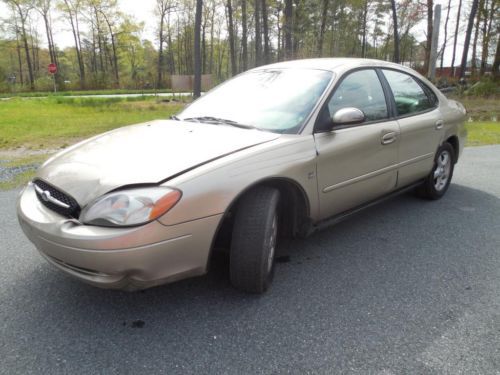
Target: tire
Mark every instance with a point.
(437, 182)
(253, 243)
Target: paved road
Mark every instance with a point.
(406, 287)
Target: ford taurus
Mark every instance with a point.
(277, 152)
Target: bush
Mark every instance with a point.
(485, 87)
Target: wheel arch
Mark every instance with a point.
(294, 203)
(454, 142)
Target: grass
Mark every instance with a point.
(57, 122)
(81, 92)
(483, 133)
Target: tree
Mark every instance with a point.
(197, 50)
(443, 48)
(496, 62)
(23, 8)
(265, 29)
(428, 42)
(455, 38)
(244, 35)
(322, 29)
(463, 65)
(489, 16)
(479, 13)
(396, 36)
(258, 33)
(72, 9)
(110, 14)
(287, 29)
(232, 48)
(43, 7)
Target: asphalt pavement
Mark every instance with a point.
(406, 287)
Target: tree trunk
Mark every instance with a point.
(114, 58)
(363, 43)
(443, 48)
(287, 29)
(24, 38)
(428, 43)
(244, 37)
(49, 41)
(19, 58)
(258, 33)
(468, 33)
(488, 21)
(197, 50)
(265, 29)
(232, 51)
(211, 63)
(81, 66)
(479, 12)
(496, 63)
(396, 34)
(321, 37)
(160, 50)
(455, 38)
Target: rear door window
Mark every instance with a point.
(410, 97)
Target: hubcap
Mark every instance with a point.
(442, 170)
(272, 243)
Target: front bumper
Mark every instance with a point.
(118, 258)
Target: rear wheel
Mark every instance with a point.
(253, 243)
(438, 181)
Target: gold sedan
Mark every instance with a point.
(279, 151)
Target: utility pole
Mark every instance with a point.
(431, 74)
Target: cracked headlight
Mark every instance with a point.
(130, 207)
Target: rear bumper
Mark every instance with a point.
(118, 258)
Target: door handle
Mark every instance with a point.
(389, 138)
(439, 124)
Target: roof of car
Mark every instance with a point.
(330, 63)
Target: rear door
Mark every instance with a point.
(420, 122)
(356, 163)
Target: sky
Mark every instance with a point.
(142, 10)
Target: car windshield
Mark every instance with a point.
(277, 100)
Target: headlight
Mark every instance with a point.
(130, 207)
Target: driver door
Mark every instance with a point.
(356, 163)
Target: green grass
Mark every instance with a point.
(483, 133)
(80, 92)
(57, 122)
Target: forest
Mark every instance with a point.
(222, 38)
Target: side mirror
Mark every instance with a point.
(348, 116)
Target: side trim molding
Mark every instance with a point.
(376, 173)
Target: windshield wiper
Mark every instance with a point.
(174, 117)
(217, 120)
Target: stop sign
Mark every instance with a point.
(52, 68)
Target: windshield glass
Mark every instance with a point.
(277, 100)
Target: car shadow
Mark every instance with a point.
(394, 276)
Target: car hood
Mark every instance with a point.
(142, 154)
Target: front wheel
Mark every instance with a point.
(437, 182)
(253, 243)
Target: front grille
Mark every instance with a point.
(68, 205)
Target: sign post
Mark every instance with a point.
(53, 70)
